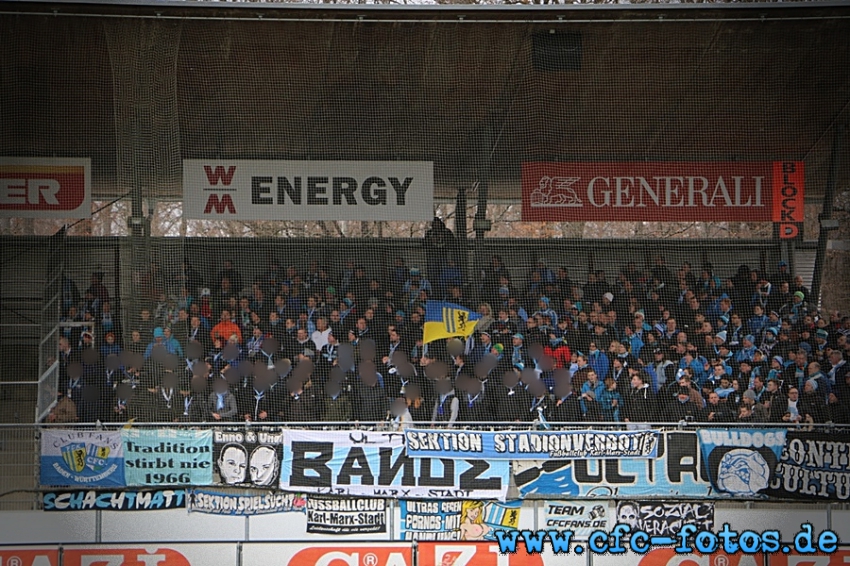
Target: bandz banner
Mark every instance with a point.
(741, 461)
(457, 520)
(531, 445)
(346, 515)
(676, 471)
(225, 189)
(82, 500)
(248, 458)
(215, 502)
(768, 191)
(813, 466)
(374, 464)
(82, 458)
(167, 456)
(665, 519)
(580, 517)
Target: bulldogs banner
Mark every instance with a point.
(580, 517)
(167, 456)
(457, 520)
(346, 515)
(82, 500)
(248, 458)
(741, 461)
(82, 458)
(373, 464)
(813, 466)
(665, 519)
(531, 445)
(229, 503)
(675, 472)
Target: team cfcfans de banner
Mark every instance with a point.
(531, 445)
(374, 464)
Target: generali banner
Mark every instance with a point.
(769, 191)
(308, 190)
(45, 188)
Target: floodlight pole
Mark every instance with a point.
(826, 214)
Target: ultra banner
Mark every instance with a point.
(741, 461)
(224, 189)
(374, 464)
(125, 500)
(346, 515)
(666, 192)
(229, 503)
(167, 456)
(457, 520)
(813, 466)
(248, 458)
(82, 458)
(531, 445)
(676, 471)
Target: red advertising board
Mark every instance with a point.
(29, 557)
(45, 188)
(665, 192)
(478, 554)
(793, 559)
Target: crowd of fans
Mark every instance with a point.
(314, 344)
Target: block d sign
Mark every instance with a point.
(308, 190)
(45, 188)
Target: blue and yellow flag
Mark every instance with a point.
(447, 320)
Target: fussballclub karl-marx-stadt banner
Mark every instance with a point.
(45, 187)
(767, 191)
(224, 189)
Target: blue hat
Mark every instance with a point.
(721, 335)
(725, 319)
(414, 271)
(348, 302)
(520, 336)
(504, 291)
(806, 347)
(545, 300)
(400, 313)
(773, 330)
(158, 333)
(783, 263)
(821, 333)
(750, 338)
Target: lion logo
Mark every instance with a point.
(555, 191)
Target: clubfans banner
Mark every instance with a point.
(374, 464)
(81, 500)
(45, 188)
(813, 466)
(346, 515)
(531, 445)
(248, 458)
(82, 458)
(741, 461)
(665, 519)
(215, 189)
(580, 517)
(167, 456)
(675, 472)
(243, 504)
(666, 192)
(457, 520)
